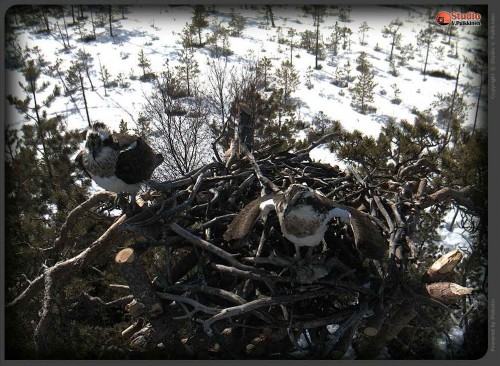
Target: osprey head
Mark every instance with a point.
(101, 129)
(93, 142)
(295, 197)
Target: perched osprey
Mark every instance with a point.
(304, 215)
(115, 161)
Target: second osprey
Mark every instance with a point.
(117, 162)
(304, 216)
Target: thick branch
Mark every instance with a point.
(443, 266)
(62, 270)
(460, 196)
(264, 181)
(138, 281)
(209, 247)
(77, 213)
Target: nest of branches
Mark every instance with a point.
(205, 297)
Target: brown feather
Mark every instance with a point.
(245, 220)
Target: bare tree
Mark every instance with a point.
(425, 38)
(217, 91)
(392, 30)
(182, 137)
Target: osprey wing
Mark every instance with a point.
(246, 218)
(80, 165)
(123, 142)
(367, 237)
(136, 161)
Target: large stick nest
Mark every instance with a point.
(254, 283)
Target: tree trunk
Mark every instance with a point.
(271, 15)
(246, 127)
(317, 38)
(84, 97)
(478, 98)
(110, 16)
(93, 25)
(139, 282)
(41, 135)
(392, 45)
(447, 292)
(453, 103)
(369, 348)
(62, 36)
(443, 267)
(426, 57)
(87, 71)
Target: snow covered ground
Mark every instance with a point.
(156, 31)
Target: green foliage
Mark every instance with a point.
(236, 24)
(199, 22)
(188, 68)
(363, 90)
(363, 64)
(287, 79)
(320, 126)
(218, 41)
(363, 29)
(397, 93)
(309, 73)
(307, 40)
(144, 63)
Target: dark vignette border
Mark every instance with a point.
(493, 151)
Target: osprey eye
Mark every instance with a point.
(301, 200)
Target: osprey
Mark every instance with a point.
(115, 161)
(304, 215)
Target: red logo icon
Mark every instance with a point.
(443, 18)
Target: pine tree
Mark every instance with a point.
(307, 40)
(236, 24)
(345, 14)
(144, 64)
(309, 74)
(340, 77)
(287, 79)
(76, 84)
(36, 205)
(346, 34)
(362, 92)
(31, 106)
(110, 19)
(319, 11)
(291, 33)
(123, 126)
(270, 15)
(199, 21)
(264, 65)
(105, 78)
(188, 67)
(219, 41)
(397, 93)
(393, 30)
(363, 29)
(363, 62)
(335, 39)
(85, 59)
(424, 39)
